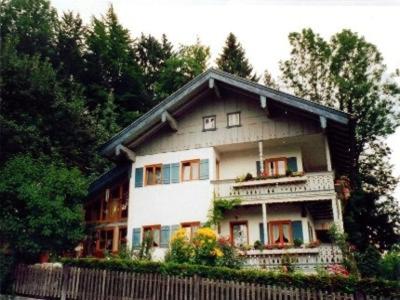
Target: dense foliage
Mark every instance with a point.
(347, 73)
(326, 283)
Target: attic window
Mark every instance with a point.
(209, 123)
(233, 119)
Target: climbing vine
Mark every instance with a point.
(220, 206)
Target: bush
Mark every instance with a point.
(368, 262)
(390, 264)
(180, 251)
(326, 283)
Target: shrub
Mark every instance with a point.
(368, 262)
(327, 283)
(180, 250)
(230, 257)
(205, 247)
(390, 264)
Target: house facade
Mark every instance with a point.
(223, 137)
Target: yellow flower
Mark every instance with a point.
(180, 234)
(206, 233)
(218, 253)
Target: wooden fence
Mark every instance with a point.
(80, 283)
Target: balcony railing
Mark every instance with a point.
(304, 259)
(309, 184)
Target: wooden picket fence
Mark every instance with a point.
(80, 283)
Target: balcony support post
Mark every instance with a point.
(265, 222)
(327, 154)
(337, 214)
(261, 155)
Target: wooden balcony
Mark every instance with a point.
(311, 186)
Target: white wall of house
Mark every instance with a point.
(253, 215)
(170, 204)
(238, 163)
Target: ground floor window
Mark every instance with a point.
(280, 232)
(152, 232)
(239, 233)
(190, 228)
(106, 238)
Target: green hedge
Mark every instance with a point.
(326, 283)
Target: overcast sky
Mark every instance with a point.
(261, 26)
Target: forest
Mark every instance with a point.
(67, 87)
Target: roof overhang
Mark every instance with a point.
(335, 120)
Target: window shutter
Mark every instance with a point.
(138, 177)
(204, 170)
(136, 237)
(174, 228)
(292, 164)
(262, 238)
(164, 242)
(166, 174)
(175, 173)
(258, 166)
(297, 228)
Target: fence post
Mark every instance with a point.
(196, 287)
(358, 295)
(64, 282)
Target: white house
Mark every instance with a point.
(199, 144)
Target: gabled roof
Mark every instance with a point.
(184, 94)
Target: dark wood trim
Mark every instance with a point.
(232, 223)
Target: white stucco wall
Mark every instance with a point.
(170, 204)
(238, 163)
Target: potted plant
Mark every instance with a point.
(297, 243)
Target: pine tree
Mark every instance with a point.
(110, 65)
(347, 73)
(151, 56)
(233, 59)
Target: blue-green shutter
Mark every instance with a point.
(258, 167)
(262, 238)
(292, 164)
(165, 236)
(175, 173)
(297, 229)
(136, 237)
(204, 169)
(166, 171)
(138, 177)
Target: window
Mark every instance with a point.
(239, 233)
(275, 166)
(209, 123)
(280, 232)
(190, 228)
(152, 232)
(234, 119)
(190, 170)
(153, 175)
(106, 240)
(122, 238)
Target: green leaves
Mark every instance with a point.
(41, 206)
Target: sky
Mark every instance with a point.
(262, 27)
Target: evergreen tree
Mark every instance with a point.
(233, 59)
(182, 67)
(269, 81)
(347, 73)
(151, 56)
(110, 65)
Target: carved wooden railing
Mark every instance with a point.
(304, 259)
(310, 183)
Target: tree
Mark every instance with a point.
(151, 56)
(40, 208)
(269, 81)
(347, 73)
(181, 67)
(233, 59)
(32, 25)
(111, 65)
(70, 46)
